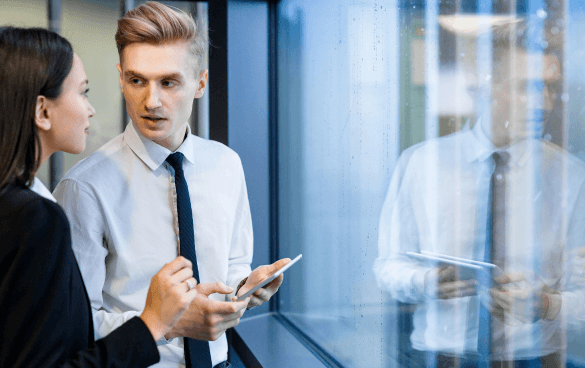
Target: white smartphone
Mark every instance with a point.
(275, 275)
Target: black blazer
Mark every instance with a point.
(45, 315)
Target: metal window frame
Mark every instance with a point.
(327, 359)
(56, 161)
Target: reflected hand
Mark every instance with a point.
(442, 283)
(260, 274)
(525, 298)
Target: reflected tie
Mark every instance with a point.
(197, 353)
(494, 252)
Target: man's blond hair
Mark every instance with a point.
(155, 23)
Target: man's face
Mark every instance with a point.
(159, 84)
(523, 95)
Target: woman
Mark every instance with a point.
(45, 314)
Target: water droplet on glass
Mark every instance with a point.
(541, 13)
(565, 97)
(554, 30)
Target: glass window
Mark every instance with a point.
(431, 173)
(31, 13)
(90, 26)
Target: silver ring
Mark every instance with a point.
(190, 284)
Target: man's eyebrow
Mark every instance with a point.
(131, 73)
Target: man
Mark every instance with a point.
(499, 194)
(156, 191)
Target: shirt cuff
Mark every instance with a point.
(163, 341)
(418, 283)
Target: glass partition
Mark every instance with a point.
(431, 174)
(26, 14)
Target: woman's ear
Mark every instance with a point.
(41, 114)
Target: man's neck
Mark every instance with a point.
(173, 142)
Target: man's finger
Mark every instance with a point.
(458, 293)
(225, 308)
(217, 287)
(502, 298)
(511, 277)
(274, 284)
(446, 274)
(449, 287)
(278, 265)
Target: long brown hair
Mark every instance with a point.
(35, 61)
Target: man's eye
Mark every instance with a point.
(136, 81)
(168, 83)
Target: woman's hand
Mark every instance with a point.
(171, 291)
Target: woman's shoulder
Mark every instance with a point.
(22, 210)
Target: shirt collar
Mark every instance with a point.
(153, 154)
(481, 148)
(39, 188)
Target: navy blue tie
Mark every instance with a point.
(494, 252)
(197, 353)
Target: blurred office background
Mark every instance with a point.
(321, 98)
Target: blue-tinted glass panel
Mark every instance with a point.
(431, 172)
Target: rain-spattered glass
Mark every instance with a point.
(431, 173)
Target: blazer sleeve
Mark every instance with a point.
(45, 317)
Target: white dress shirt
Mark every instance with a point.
(438, 201)
(39, 188)
(120, 203)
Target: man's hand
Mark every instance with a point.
(257, 276)
(527, 299)
(207, 319)
(442, 283)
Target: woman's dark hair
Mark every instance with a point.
(33, 62)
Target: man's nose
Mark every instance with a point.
(153, 98)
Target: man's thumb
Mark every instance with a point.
(217, 287)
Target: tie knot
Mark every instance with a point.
(176, 160)
(501, 158)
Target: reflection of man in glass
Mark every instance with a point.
(499, 194)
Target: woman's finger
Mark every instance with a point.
(182, 275)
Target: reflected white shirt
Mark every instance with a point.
(120, 203)
(438, 201)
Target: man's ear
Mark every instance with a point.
(119, 67)
(202, 83)
(42, 120)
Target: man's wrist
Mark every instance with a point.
(554, 306)
(545, 306)
(242, 283)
